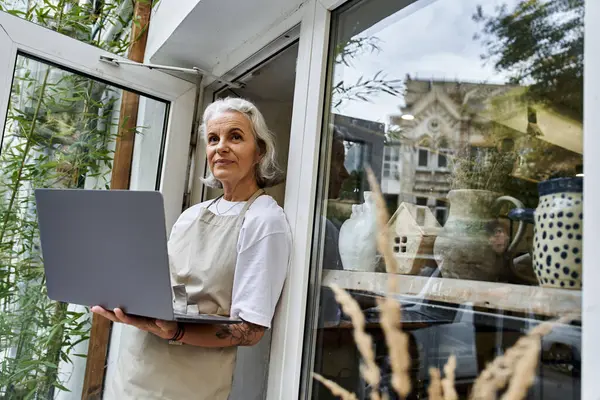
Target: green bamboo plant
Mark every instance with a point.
(60, 132)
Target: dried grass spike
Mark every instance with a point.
(369, 370)
(546, 327)
(517, 365)
(334, 388)
(448, 381)
(524, 372)
(398, 343)
(435, 385)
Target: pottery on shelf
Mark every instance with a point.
(473, 244)
(558, 232)
(358, 239)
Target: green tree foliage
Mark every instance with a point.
(540, 43)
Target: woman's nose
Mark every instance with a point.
(222, 146)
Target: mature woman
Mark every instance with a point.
(230, 255)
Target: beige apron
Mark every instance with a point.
(202, 257)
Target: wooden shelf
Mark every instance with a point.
(518, 298)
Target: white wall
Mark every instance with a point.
(192, 33)
(166, 17)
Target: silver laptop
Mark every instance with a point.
(109, 248)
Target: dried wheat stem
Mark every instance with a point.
(525, 369)
(518, 364)
(384, 240)
(448, 381)
(369, 370)
(435, 385)
(546, 327)
(397, 342)
(334, 388)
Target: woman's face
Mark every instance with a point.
(231, 147)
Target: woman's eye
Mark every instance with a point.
(212, 139)
(236, 136)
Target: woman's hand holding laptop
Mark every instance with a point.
(162, 329)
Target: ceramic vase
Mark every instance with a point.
(558, 232)
(472, 244)
(357, 240)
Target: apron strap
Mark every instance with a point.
(255, 196)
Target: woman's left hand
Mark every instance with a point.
(162, 329)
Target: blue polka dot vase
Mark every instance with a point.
(558, 232)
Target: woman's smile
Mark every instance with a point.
(223, 162)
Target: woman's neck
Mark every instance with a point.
(241, 191)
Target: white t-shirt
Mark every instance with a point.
(264, 246)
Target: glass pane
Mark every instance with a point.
(423, 158)
(421, 201)
(483, 102)
(60, 132)
(442, 161)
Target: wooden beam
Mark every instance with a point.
(121, 173)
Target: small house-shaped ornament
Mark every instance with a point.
(414, 230)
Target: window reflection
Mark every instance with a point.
(470, 115)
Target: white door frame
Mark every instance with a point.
(590, 384)
(285, 368)
(18, 36)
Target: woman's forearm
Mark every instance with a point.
(244, 334)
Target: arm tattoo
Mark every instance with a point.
(244, 334)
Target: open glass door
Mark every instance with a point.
(61, 113)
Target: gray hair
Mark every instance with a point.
(268, 173)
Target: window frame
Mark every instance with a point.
(427, 152)
(443, 152)
(288, 325)
(286, 361)
(19, 37)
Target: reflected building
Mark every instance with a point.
(442, 117)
